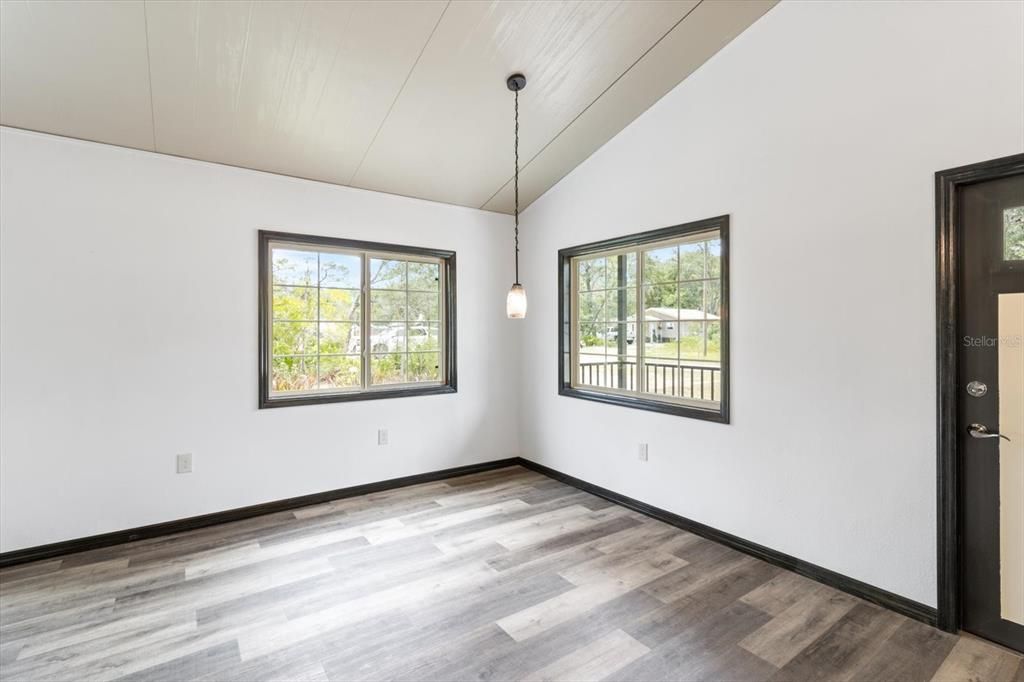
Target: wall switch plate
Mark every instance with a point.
(641, 452)
(185, 463)
(382, 436)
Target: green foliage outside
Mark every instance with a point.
(317, 326)
(401, 367)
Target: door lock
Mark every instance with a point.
(981, 431)
(976, 389)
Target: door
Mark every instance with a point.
(991, 408)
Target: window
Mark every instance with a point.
(347, 320)
(644, 320)
(1013, 233)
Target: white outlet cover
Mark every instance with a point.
(642, 452)
(382, 436)
(184, 463)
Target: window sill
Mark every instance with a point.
(376, 394)
(719, 414)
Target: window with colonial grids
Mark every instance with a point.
(349, 320)
(644, 320)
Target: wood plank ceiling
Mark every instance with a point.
(401, 97)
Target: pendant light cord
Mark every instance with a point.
(517, 185)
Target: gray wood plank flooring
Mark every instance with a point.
(504, 575)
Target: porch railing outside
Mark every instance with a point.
(695, 382)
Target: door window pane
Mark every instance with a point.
(1013, 233)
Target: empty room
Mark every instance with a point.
(568, 340)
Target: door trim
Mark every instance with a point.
(948, 233)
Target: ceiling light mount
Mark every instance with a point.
(516, 82)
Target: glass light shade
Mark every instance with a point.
(515, 304)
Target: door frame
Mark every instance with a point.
(948, 234)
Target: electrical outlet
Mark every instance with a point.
(382, 436)
(641, 452)
(184, 461)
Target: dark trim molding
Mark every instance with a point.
(639, 401)
(875, 595)
(450, 384)
(894, 602)
(20, 556)
(947, 292)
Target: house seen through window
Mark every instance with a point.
(644, 320)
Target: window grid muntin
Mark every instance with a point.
(365, 322)
(640, 380)
(439, 352)
(317, 250)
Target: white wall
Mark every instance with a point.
(818, 130)
(127, 295)
(128, 303)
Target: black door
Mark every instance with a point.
(991, 408)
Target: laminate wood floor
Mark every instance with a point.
(505, 575)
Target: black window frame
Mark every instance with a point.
(449, 383)
(565, 303)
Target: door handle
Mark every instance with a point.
(981, 431)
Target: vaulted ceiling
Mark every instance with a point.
(400, 97)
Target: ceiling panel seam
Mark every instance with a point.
(398, 94)
(149, 70)
(245, 54)
(195, 69)
(291, 65)
(593, 32)
(334, 62)
(594, 101)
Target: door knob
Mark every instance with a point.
(981, 431)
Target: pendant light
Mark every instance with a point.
(515, 303)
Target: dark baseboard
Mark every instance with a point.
(875, 595)
(894, 602)
(20, 556)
